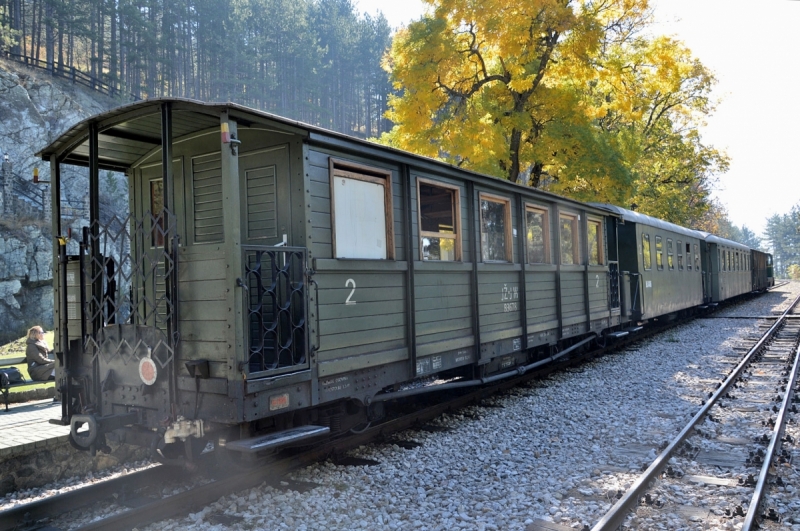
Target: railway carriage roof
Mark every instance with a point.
(636, 217)
(710, 238)
(129, 132)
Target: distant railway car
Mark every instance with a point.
(660, 265)
(275, 281)
(727, 266)
(761, 264)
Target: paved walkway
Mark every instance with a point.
(25, 427)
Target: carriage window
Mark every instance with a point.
(495, 229)
(696, 258)
(570, 245)
(595, 240)
(361, 200)
(689, 256)
(157, 211)
(730, 261)
(659, 253)
(537, 235)
(439, 208)
(738, 264)
(647, 259)
(679, 248)
(670, 262)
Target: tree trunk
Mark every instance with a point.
(36, 30)
(49, 42)
(101, 40)
(17, 24)
(60, 41)
(113, 74)
(513, 153)
(536, 175)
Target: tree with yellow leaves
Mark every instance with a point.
(564, 95)
(652, 95)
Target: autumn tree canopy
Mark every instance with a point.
(571, 96)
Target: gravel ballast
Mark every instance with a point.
(558, 450)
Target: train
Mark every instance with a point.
(275, 284)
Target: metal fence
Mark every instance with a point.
(67, 72)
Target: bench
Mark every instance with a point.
(8, 362)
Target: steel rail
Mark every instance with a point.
(778, 285)
(774, 443)
(28, 514)
(617, 514)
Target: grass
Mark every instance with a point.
(16, 349)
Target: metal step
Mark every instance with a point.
(278, 439)
(618, 334)
(632, 329)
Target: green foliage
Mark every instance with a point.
(8, 36)
(783, 235)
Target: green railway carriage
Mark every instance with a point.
(276, 278)
(660, 264)
(761, 265)
(728, 267)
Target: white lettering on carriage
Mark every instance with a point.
(347, 285)
(509, 293)
(462, 355)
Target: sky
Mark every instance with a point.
(753, 48)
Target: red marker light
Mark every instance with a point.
(226, 134)
(36, 175)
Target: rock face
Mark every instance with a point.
(34, 109)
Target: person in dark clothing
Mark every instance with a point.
(40, 367)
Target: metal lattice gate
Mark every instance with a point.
(613, 285)
(275, 286)
(128, 288)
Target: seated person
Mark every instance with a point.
(40, 367)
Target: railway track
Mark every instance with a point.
(131, 504)
(729, 452)
(136, 510)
